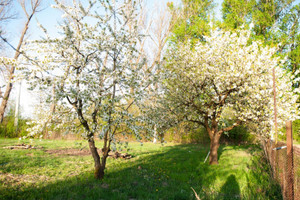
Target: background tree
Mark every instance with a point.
(266, 15)
(157, 30)
(29, 10)
(289, 38)
(6, 14)
(275, 22)
(191, 21)
(237, 13)
(226, 73)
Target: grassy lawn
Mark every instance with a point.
(154, 172)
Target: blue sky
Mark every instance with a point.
(49, 18)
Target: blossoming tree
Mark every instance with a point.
(225, 72)
(94, 70)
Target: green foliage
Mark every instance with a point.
(290, 39)
(237, 13)
(8, 129)
(193, 21)
(261, 180)
(187, 133)
(296, 132)
(238, 135)
(155, 172)
(275, 22)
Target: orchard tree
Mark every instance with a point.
(94, 68)
(226, 73)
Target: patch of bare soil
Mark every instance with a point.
(69, 152)
(85, 152)
(23, 146)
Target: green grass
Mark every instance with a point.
(155, 172)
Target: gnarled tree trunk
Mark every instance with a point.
(100, 163)
(99, 166)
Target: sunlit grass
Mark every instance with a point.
(155, 172)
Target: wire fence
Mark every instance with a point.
(286, 167)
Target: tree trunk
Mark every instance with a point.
(155, 135)
(99, 172)
(16, 123)
(99, 169)
(214, 146)
(6, 96)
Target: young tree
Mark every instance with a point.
(95, 71)
(158, 29)
(226, 73)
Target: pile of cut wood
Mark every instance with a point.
(119, 155)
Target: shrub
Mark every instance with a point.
(237, 135)
(7, 128)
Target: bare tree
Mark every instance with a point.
(5, 11)
(5, 15)
(29, 10)
(158, 28)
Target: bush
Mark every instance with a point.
(7, 128)
(238, 135)
(187, 133)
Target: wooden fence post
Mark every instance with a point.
(290, 161)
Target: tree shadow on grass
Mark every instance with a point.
(168, 174)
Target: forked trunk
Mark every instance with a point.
(214, 146)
